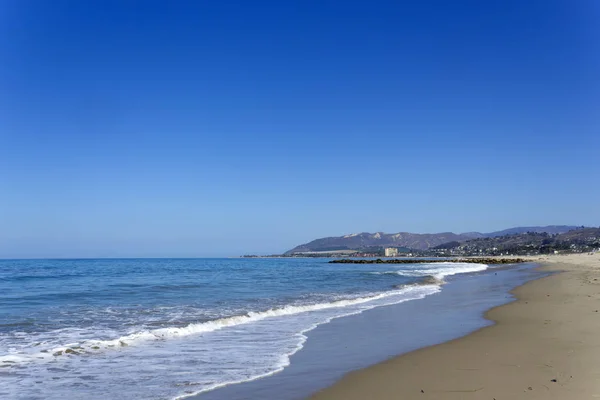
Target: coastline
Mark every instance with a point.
(361, 340)
(544, 345)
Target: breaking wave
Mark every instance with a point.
(161, 334)
(437, 270)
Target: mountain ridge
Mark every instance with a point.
(417, 241)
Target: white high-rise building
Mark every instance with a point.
(391, 252)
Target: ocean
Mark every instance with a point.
(176, 328)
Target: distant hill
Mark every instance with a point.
(417, 241)
(357, 241)
(475, 234)
(581, 234)
(529, 242)
(552, 229)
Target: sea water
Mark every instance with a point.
(174, 328)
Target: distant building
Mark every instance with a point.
(391, 252)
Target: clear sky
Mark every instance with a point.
(216, 128)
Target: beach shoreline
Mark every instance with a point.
(543, 345)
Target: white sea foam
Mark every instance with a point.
(251, 346)
(94, 346)
(438, 270)
(405, 294)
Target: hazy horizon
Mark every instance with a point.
(210, 129)
(263, 253)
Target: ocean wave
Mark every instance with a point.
(431, 280)
(284, 359)
(437, 270)
(92, 346)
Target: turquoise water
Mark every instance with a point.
(167, 328)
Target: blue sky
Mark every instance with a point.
(220, 128)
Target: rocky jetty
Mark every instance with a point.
(478, 260)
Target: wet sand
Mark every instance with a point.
(545, 345)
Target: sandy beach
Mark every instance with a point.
(545, 345)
